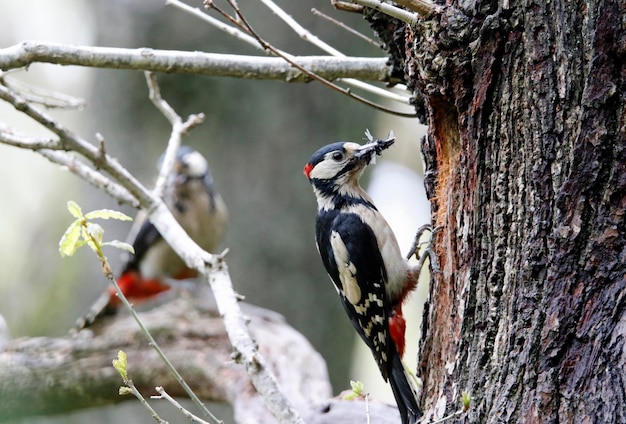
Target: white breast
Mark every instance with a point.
(395, 263)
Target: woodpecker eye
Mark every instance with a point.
(338, 156)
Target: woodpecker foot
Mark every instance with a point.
(428, 252)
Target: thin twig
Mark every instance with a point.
(70, 141)
(48, 98)
(154, 94)
(179, 128)
(169, 158)
(243, 34)
(387, 9)
(449, 417)
(93, 177)
(346, 6)
(324, 81)
(129, 383)
(308, 36)
(345, 27)
(299, 29)
(13, 138)
(164, 395)
(423, 7)
(49, 148)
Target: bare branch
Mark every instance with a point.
(154, 94)
(12, 138)
(91, 176)
(393, 11)
(49, 147)
(244, 35)
(49, 99)
(270, 48)
(229, 29)
(423, 7)
(179, 128)
(316, 41)
(343, 26)
(347, 6)
(164, 395)
(198, 63)
(70, 141)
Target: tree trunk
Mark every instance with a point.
(526, 158)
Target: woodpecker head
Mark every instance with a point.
(335, 169)
(190, 165)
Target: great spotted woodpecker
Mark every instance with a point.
(200, 210)
(363, 259)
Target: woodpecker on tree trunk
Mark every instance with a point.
(363, 259)
(200, 210)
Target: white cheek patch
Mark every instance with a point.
(347, 270)
(326, 170)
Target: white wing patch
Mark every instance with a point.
(347, 270)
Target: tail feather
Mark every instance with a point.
(404, 392)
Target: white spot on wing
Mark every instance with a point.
(347, 270)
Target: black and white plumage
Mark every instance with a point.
(362, 257)
(197, 206)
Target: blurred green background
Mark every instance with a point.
(257, 137)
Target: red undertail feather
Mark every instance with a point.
(136, 288)
(397, 329)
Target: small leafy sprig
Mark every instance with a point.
(356, 391)
(121, 364)
(84, 232)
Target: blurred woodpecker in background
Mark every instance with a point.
(200, 210)
(363, 259)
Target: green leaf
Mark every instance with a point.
(70, 240)
(80, 243)
(74, 209)
(357, 390)
(108, 214)
(466, 399)
(350, 396)
(357, 387)
(120, 245)
(121, 363)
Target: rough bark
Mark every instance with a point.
(526, 157)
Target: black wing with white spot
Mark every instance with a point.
(352, 258)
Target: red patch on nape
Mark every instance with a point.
(397, 329)
(307, 169)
